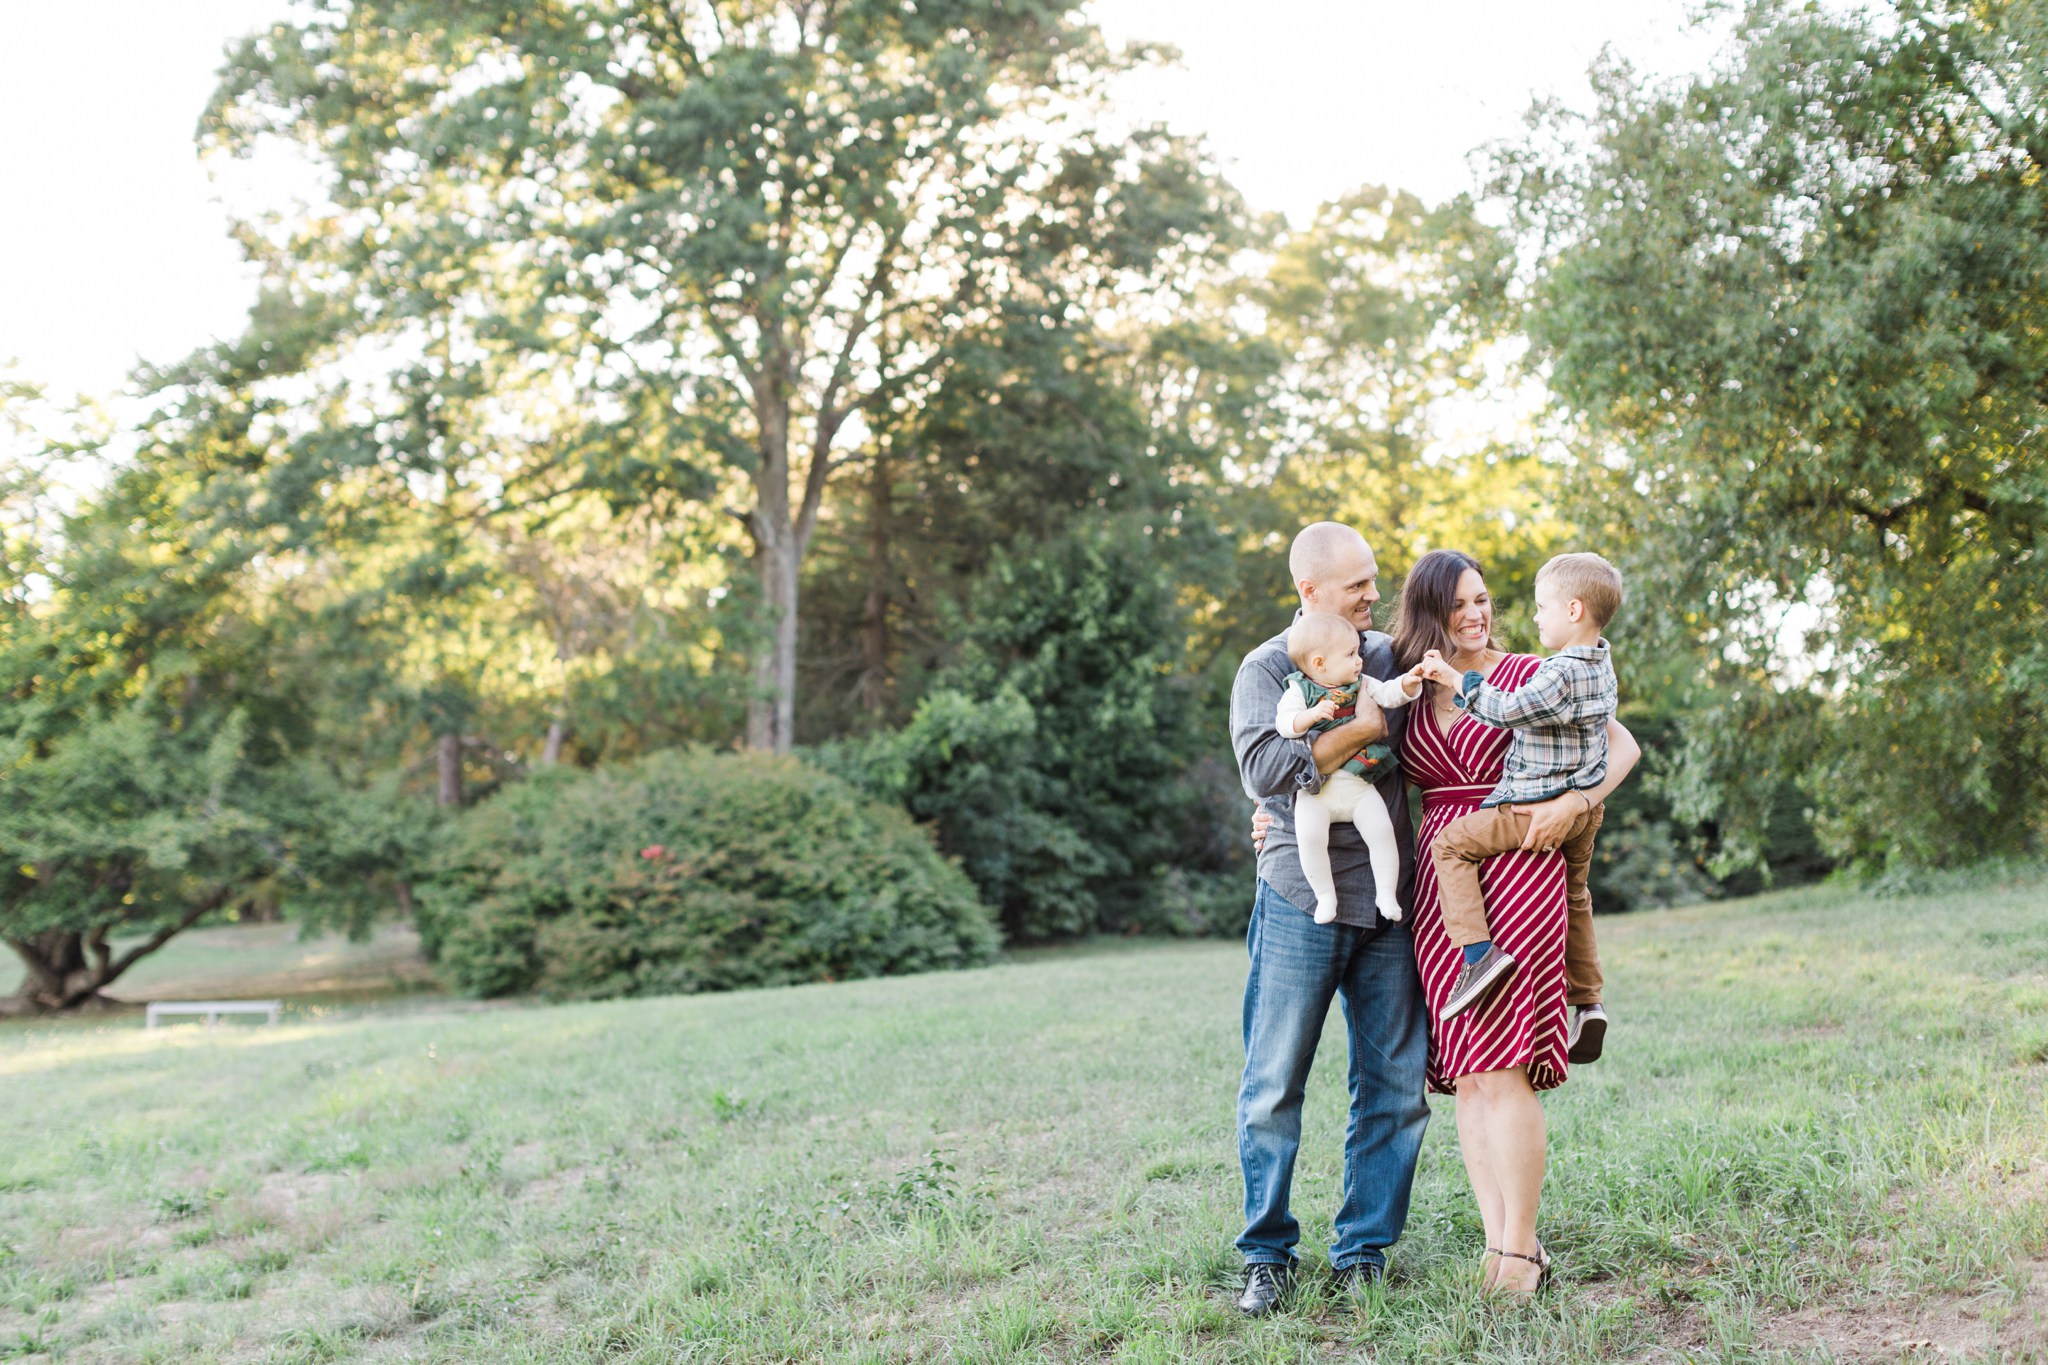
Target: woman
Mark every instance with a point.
(1496, 1056)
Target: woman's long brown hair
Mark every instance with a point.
(1426, 600)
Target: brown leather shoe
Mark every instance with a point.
(1476, 980)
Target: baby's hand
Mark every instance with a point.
(1326, 709)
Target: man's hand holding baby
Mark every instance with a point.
(1334, 748)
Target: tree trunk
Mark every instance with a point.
(551, 751)
(771, 711)
(874, 634)
(449, 758)
(67, 970)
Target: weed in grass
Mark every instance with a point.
(924, 1188)
(30, 1342)
(731, 1108)
(178, 1204)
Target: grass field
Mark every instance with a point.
(1821, 1133)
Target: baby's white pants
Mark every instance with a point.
(1346, 796)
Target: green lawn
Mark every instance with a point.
(1821, 1132)
(316, 977)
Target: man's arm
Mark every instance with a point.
(1334, 748)
(1268, 762)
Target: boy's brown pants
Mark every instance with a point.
(1471, 839)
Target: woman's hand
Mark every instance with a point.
(1550, 821)
(1262, 819)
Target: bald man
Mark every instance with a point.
(1298, 966)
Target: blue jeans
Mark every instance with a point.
(1297, 965)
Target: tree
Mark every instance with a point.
(155, 739)
(1799, 306)
(1050, 756)
(715, 243)
(1110, 418)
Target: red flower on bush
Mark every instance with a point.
(653, 851)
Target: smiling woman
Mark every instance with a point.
(1445, 607)
(1495, 1055)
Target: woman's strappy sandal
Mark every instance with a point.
(1488, 1270)
(1541, 1260)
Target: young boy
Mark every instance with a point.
(1321, 695)
(1560, 720)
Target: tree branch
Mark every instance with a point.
(162, 936)
(881, 284)
(685, 49)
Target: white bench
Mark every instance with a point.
(213, 1009)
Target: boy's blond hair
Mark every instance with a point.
(1590, 579)
(1318, 632)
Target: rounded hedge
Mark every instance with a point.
(692, 871)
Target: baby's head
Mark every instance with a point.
(1585, 581)
(1325, 647)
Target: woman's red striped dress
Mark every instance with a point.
(1523, 1022)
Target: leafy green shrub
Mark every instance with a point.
(1189, 903)
(692, 871)
(973, 769)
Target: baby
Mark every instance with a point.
(1321, 696)
(1559, 717)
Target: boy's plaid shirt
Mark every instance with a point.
(1560, 721)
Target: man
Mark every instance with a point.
(1297, 965)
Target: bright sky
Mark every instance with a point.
(114, 246)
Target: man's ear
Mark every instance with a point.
(1306, 588)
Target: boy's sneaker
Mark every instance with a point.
(1475, 980)
(1589, 1031)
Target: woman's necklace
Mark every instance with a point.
(1441, 703)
